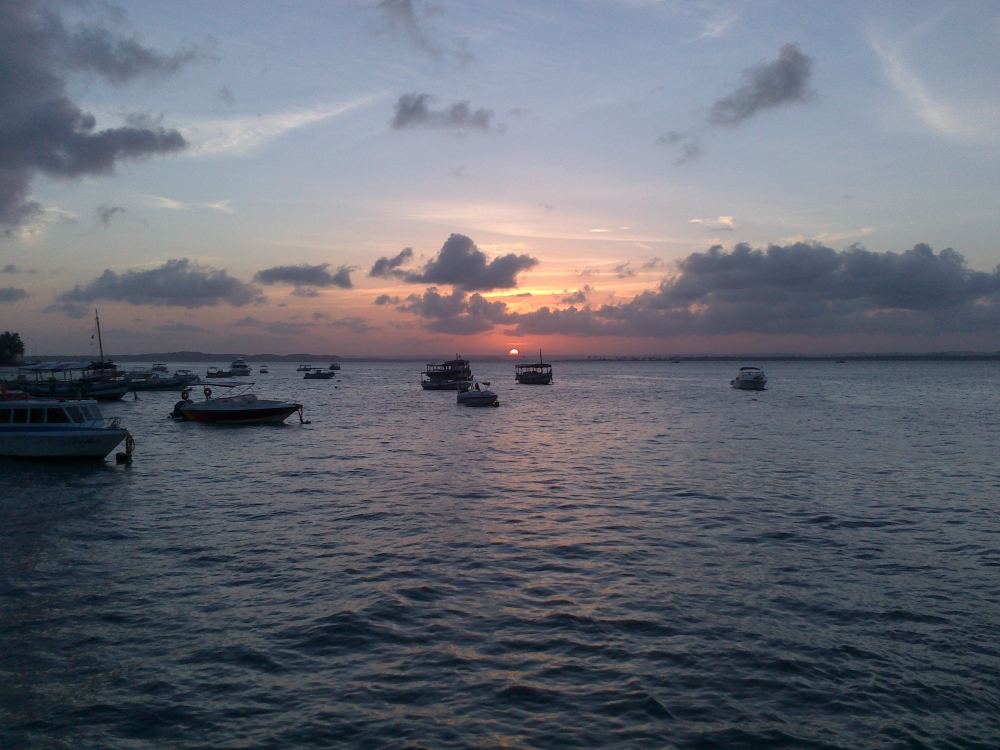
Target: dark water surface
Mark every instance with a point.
(637, 556)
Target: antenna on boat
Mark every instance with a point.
(100, 343)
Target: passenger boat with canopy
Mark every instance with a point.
(446, 376)
(534, 374)
(57, 429)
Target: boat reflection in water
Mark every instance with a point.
(236, 408)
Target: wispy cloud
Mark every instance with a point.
(966, 120)
(158, 201)
(720, 224)
(238, 135)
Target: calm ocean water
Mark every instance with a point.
(636, 556)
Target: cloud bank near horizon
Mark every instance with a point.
(778, 290)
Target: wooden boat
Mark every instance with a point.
(534, 374)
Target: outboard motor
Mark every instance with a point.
(177, 413)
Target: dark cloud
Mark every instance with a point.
(624, 270)
(651, 265)
(177, 283)
(386, 267)
(578, 297)
(354, 325)
(385, 299)
(41, 130)
(318, 316)
(12, 294)
(456, 313)
(796, 289)
(400, 18)
(11, 268)
(106, 213)
(306, 279)
(225, 96)
(464, 266)
(766, 86)
(412, 110)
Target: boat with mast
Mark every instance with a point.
(538, 373)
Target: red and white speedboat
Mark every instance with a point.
(238, 408)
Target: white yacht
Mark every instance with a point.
(239, 367)
(750, 379)
(55, 428)
(475, 395)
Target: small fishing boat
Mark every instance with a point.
(318, 374)
(160, 367)
(475, 395)
(263, 370)
(303, 368)
(235, 408)
(239, 368)
(447, 376)
(534, 374)
(750, 379)
(58, 429)
(334, 366)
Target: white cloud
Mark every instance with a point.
(238, 135)
(157, 201)
(721, 223)
(964, 120)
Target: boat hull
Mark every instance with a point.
(102, 392)
(444, 385)
(526, 379)
(77, 443)
(477, 398)
(257, 415)
(748, 385)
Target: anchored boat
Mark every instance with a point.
(236, 408)
(534, 374)
(57, 429)
(447, 376)
(476, 395)
(750, 379)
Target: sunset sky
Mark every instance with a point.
(402, 177)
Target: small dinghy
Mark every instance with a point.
(476, 395)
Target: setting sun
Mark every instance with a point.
(513, 352)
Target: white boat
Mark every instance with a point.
(58, 429)
(318, 374)
(475, 395)
(239, 367)
(303, 368)
(160, 367)
(750, 379)
(263, 370)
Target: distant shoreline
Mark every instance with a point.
(190, 357)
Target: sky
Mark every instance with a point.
(404, 178)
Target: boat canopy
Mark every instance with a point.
(58, 367)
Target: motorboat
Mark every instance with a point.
(263, 370)
(160, 367)
(72, 380)
(447, 376)
(534, 374)
(750, 379)
(318, 374)
(215, 372)
(141, 379)
(303, 368)
(476, 395)
(58, 429)
(334, 366)
(239, 368)
(235, 408)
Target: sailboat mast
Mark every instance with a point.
(100, 343)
